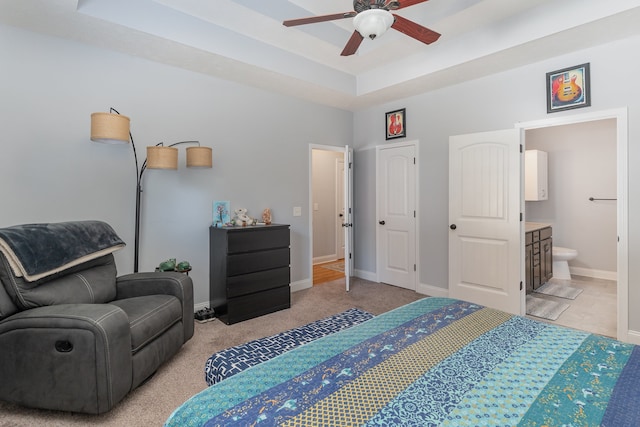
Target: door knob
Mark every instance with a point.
(381, 222)
(453, 226)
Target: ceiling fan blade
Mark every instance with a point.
(314, 19)
(353, 44)
(405, 3)
(414, 30)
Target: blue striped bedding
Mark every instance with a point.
(434, 362)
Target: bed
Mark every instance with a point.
(433, 362)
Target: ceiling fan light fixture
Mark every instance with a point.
(373, 23)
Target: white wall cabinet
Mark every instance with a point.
(535, 175)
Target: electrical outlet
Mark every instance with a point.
(297, 211)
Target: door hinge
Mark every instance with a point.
(414, 214)
(414, 267)
(520, 285)
(521, 148)
(414, 160)
(521, 216)
(350, 165)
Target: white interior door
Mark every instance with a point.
(348, 216)
(396, 215)
(340, 211)
(485, 249)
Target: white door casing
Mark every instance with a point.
(396, 214)
(486, 228)
(348, 216)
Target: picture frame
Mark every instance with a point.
(396, 124)
(569, 88)
(221, 213)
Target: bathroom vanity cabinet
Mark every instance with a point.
(538, 255)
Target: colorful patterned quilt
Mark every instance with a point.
(231, 361)
(434, 362)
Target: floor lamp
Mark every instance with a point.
(114, 128)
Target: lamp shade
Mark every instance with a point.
(110, 128)
(373, 23)
(159, 157)
(199, 157)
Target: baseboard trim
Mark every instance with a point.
(432, 291)
(326, 258)
(366, 275)
(200, 306)
(595, 274)
(632, 337)
(301, 285)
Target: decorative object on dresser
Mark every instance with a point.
(538, 255)
(249, 272)
(241, 218)
(221, 213)
(266, 216)
(113, 128)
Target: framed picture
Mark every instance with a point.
(396, 124)
(568, 88)
(221, 213)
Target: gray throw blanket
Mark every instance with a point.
(35, 251)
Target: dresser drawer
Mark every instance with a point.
(257, 239)
(257, 261)
(254, 305)
(256, 282)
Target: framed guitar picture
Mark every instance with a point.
(568, 88)
(396, 124)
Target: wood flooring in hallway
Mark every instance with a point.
(323, 275)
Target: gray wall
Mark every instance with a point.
(581, 164)
(52, 172)
(495, 102)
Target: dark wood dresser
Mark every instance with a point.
(249, 271)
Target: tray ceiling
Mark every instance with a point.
(245, 41)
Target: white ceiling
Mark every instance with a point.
(245, 41)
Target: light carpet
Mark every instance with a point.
(559, 290)
(545, 309)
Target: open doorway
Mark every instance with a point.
(581, 217)
(580, 207)
(327, 213)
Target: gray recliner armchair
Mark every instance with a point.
(73, 335)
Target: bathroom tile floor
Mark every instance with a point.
(594, 310)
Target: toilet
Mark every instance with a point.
(561, 258)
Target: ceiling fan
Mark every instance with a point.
(372, 18)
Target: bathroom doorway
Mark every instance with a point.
(586, 189)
